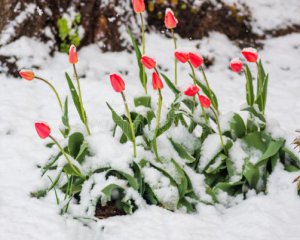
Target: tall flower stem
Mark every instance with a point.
(130, 123)
(209, 90)
(67, 158)
(143, 52)
(85, 122)
(219, 129)
(53, 89)
(158, 116)
(194, 79)
(175, 61)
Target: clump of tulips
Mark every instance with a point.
(208, 152)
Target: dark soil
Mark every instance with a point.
(107, 211)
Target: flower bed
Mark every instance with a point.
(211, 157)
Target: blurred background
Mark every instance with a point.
(58, 23)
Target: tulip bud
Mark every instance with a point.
(250, 54)
(148, 62)
(156, 81)
(27, 74)
(195, 59)
(138, 6)
(181, 56)
(236, 65)
(204, 101)
(73, 58)
(117, 82)
(170, 19)
(42, 129)
(191, 91)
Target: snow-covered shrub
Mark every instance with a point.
(183, 154)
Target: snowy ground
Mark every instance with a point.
(274, 216)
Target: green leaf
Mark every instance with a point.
(237, 126)
(138, 57)
(217, 164)
(138, 175)
(231, 188)
(142, 101)
(74, 143)
(249, 86)
(149, 195)
(292, 156)
(183, 184)
(207, 92)
(131, 180)
(39, 194)
(257, 140)
(73, 171)
(170, 84)
(75, 97)
(251, 173)
(262, 97)
(182, 152)
(82, 152)
(252, 110)
(137, 123)
(109, 189)
(273, 149)
(123, 124)
(65, 119)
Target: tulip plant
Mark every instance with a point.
(211, 157)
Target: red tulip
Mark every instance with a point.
(138, 6)
(42, 129)
(73, 58)
(148, 62)
(204, 101)
(236, 65)
(117, 82)
(191, 91)
(250, 54)
(156, 81)
(181, 56)
(195, 59)
(27, 74)
(170, 19)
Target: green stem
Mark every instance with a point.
(175, 61)
(143, 52)
(158, 116)
(209, 90)
(67, 158)
(81, 103)
(53, 89)
(219, 129)
(130, 123)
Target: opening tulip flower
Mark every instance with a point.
(138, 6)
(182, 56)
(250, 54)
(27, 74)
(118, 85)
(204, 101)
(42, 129)
(195, 59)
(148, 62)
(236, 65)
(73, 57)
(117, 82)
(156, 81)
(171, 23)
(191, 91)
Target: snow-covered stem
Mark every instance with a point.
(219, 129)
(130, 123)
(158, 116)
